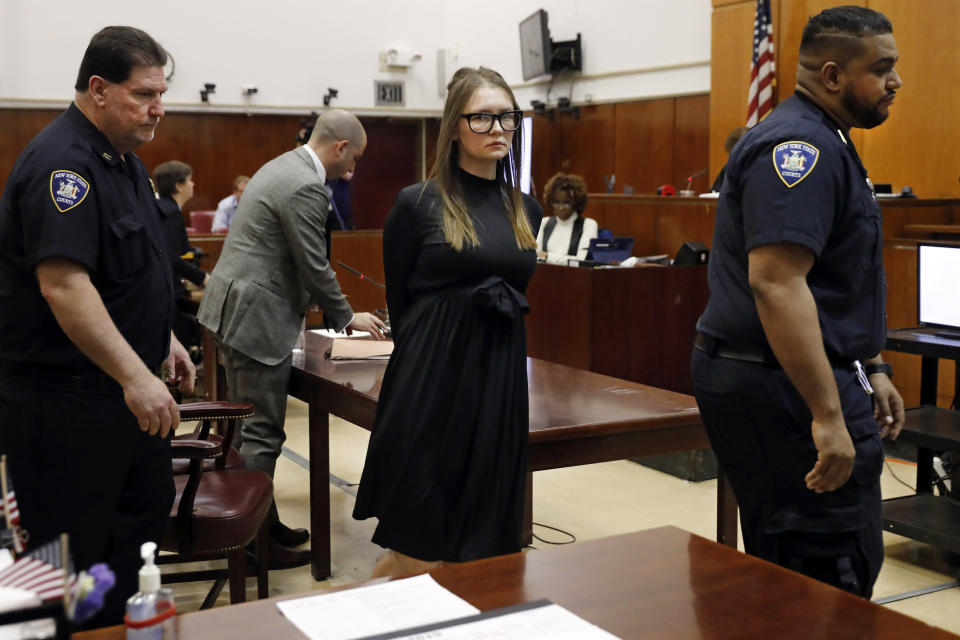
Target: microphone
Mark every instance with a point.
(360, 275)
(688, 192)
(381, 312)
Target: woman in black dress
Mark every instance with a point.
(446, 465)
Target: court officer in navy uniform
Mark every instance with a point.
(86, 302)
(787, 367)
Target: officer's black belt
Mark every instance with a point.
(717, 348)
(58, 378)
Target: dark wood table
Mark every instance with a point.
(576, 417)
(660, 583)
(924, 342)
(635, 324)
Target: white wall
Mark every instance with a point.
(624, 44)
(292, 50)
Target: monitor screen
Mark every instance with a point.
(938, 271)
(535, 45)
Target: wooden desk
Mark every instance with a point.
(636, 324)
(660, 583)
(576, 417)
(924, 342)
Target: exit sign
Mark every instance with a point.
(388, 94)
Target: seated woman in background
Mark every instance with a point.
(567, 234)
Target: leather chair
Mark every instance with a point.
(203, 431)
(202, 221)
(218, 512)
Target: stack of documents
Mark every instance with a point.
(417, 606)
(357, 346)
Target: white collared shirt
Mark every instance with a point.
(321, 171)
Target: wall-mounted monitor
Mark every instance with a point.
(535, 45)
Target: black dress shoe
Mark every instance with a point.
(282, 557)
(286, 536)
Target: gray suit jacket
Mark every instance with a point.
(274, 263)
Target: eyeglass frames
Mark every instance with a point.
(483, 122)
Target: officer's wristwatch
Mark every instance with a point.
(883, 367)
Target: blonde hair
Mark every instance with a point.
(458, 228)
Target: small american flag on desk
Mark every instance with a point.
(762, 72)
(11, 512)
(46, 571)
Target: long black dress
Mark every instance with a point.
(446, 463)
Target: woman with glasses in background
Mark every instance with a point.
(567, 234)
(446, 465)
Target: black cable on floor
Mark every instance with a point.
(890, 469)
(572, 539)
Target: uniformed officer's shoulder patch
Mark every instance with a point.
(794, 160)
(67, 189)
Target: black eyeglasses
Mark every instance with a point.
(483, 122)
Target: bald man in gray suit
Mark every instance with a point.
(273, 266)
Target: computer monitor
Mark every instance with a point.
(938, 272)
(610, 249)
(535, 49)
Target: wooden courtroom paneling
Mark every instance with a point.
(17, 127)
(218, 147)
(643, 145)
(559, 323)
(918, 145)
(583, 146)
(678, 223)
(363, 251)
(691, 142)
(636, 324)
(389, 164)
(900, 214)
(221, 146)
(657, 224)
(730, 46)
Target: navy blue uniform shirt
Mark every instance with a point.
(797, 178)
(70, 195)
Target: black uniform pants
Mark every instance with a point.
(759, 428)
(80, 464)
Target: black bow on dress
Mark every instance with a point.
(494, 293)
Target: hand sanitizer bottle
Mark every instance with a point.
(150, 611)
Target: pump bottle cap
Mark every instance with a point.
(149, 576)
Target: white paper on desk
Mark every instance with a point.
(547, 622)
(342, 334)
(379, 608)
(360, 349)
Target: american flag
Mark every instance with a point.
(42, 571)
(11, 512)
(760, 97)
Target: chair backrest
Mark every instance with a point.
(202, 221)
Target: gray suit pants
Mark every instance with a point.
(264, 386)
